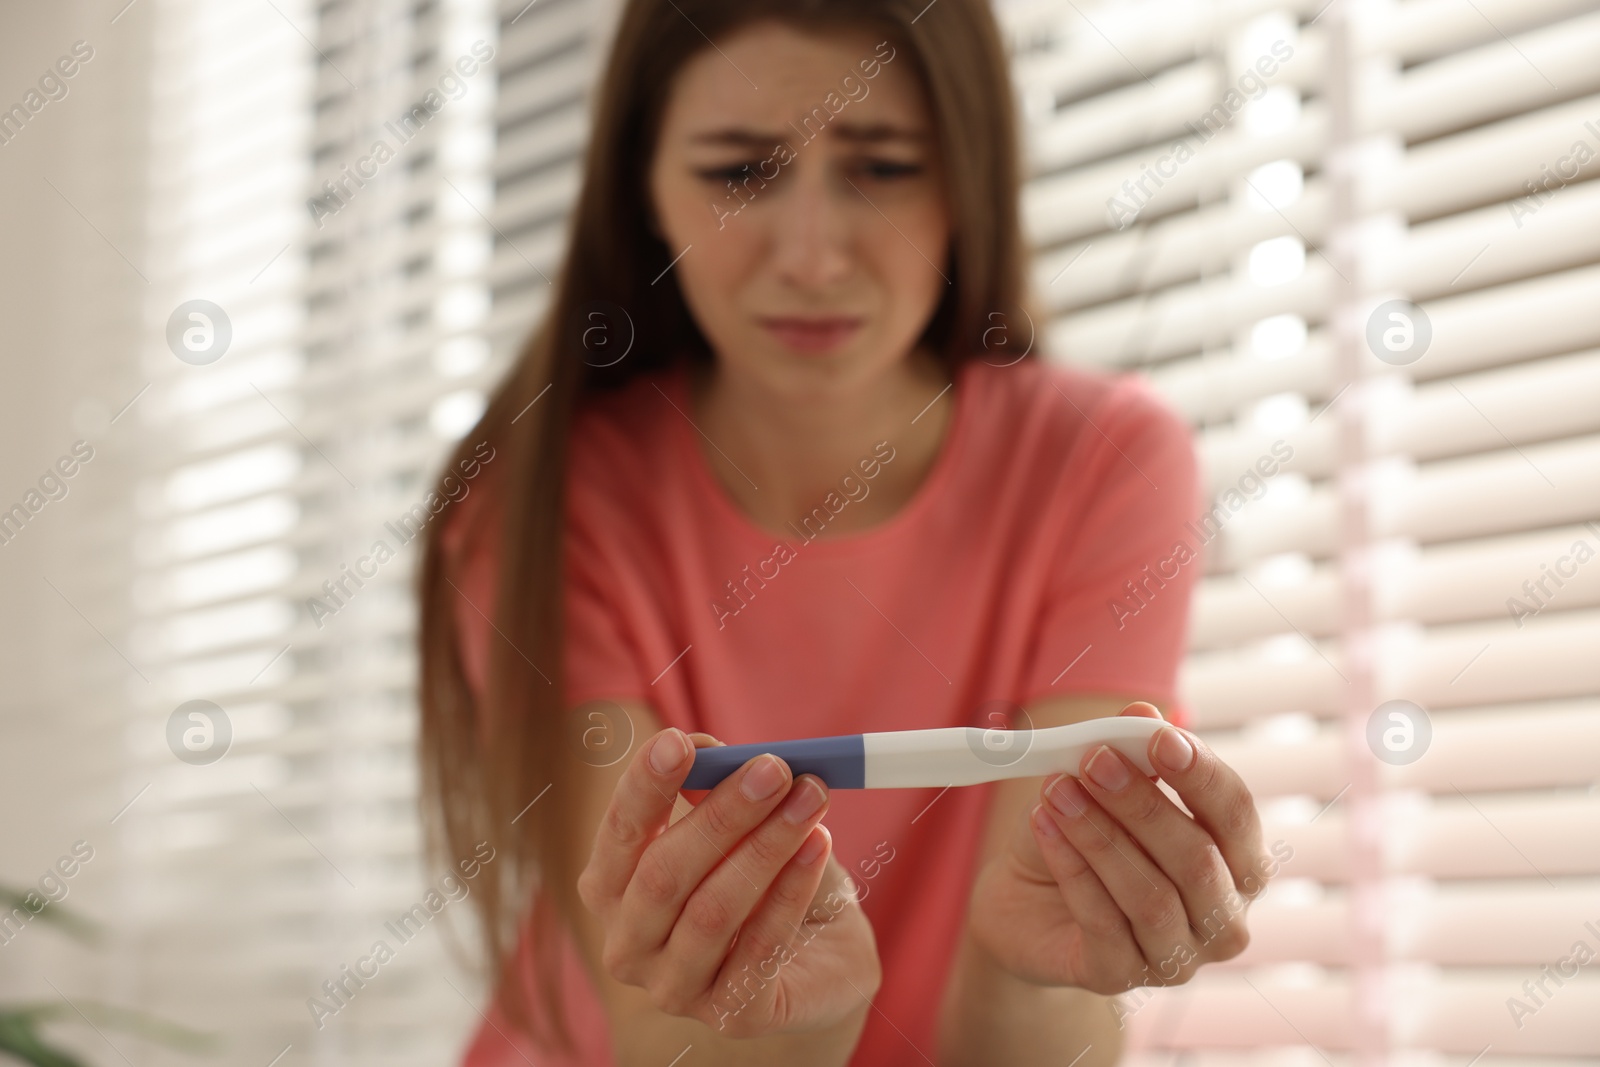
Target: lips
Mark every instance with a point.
(812, 334)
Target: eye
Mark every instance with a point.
(734, 173)
(887, 171)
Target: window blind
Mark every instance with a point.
(1388, 156)
(1222, 196)
(550, 51)
(321, 182)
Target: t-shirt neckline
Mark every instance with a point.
(894, 528)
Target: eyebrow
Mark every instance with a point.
(875, 133)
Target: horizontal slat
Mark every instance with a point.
(1128, 118)
(556, 139)
(1452, 666)
(538, 202)
(1472, 413)
(1478, 750)
(1449, 924)
(1536, 486)
(528, 92)
(1111, 45)
(1506, 76)
(1455, 1013)
(1421, 30)
(1457, 582)
(1543, 838)
(528, 34)
(1073, 205)
(1489, 163)
(1183, 319)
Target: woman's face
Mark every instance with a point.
(824, 262)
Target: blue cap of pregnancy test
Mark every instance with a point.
(840, 762)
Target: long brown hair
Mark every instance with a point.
(482, 766)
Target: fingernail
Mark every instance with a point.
(762, 780)
(803, 802)
(668, 751)
(1044, 822)
(1173, 750)
(816, 842)
(1107, 770)
(1068, 797)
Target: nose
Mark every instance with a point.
(812, 226)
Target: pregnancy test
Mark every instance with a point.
(957, 755)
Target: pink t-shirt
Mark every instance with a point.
(1038, 558)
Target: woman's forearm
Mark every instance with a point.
(994, 1019)
(651, 1038)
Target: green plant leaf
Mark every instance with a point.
(150, 1027)
(67, 921)
(19, 1039)
(109, 1017)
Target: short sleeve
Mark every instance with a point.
(599, 657)
(602, 653)
(1116, 607)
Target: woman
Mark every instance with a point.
(778, 462)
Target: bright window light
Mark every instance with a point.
(1278, 337)
(1279, 413)
(1277, 261)
(238, 475)
(213, 531)
(460, 355)
(1275, 111)
(1273, 186)
(455, 413)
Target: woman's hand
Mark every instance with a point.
(736, 914)
(1110, 885)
